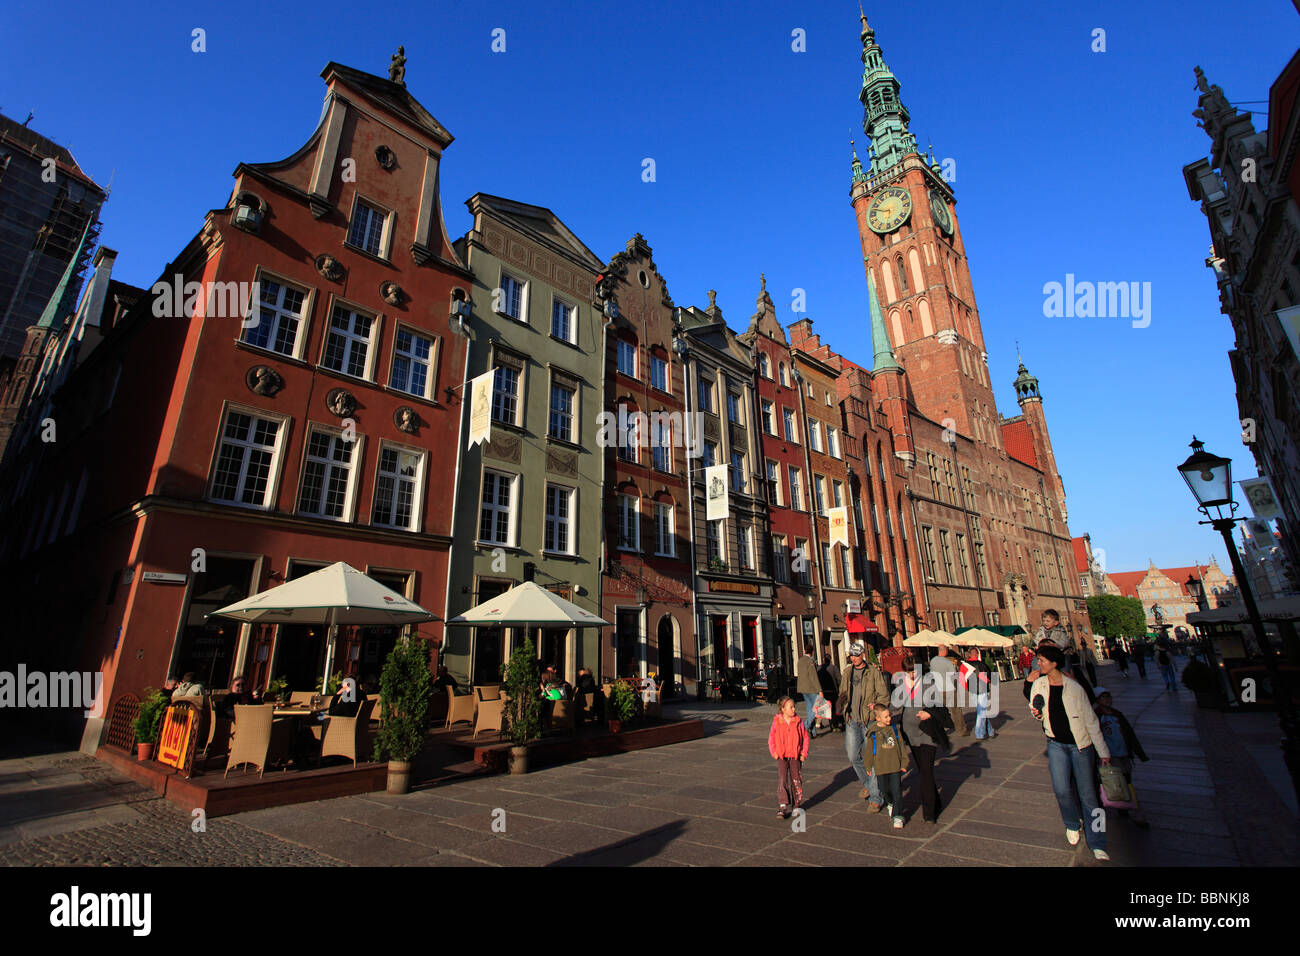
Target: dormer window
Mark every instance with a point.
(367, 231)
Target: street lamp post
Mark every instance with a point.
(1210, 479)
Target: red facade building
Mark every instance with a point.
(281, 401)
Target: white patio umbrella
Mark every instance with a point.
(527, 605)
(981, 637)
(338, 594)
(931, 639)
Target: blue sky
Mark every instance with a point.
(1067, 161)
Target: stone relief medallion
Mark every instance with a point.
(385, 157)
(392, 293)
(407, 420)
(329, 267)
(263, 380)
(341, 402)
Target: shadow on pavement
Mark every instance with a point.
(628, 852)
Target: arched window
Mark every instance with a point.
(764, 365)
(785, 377)
(902, 277)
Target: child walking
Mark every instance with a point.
(787, 742)
(884, 755)
(1123, 745)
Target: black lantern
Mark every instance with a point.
(1210, 479)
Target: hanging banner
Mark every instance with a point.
(839, 520)
(1262, 500)
(716, 495)
(480, 408)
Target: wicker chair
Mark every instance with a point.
(259, 738)
(491, 715)
(487, 692)
(460, 708)
(348, 736)
(377, 713)
(564, 715)
(301, 697)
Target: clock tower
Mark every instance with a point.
(916, 265)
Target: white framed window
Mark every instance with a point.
(497, 507)
(328, 474)
(764, 365)
(785, 376)
(832, 440)
(564, 401)
(837, 493)
(828, 398)
(505, 395)
(513, 298)
(414, 355)
(769, 417)
(819, 492)
(846, 565)
(564, 321)
(369, 228)
(773, 471)
(399, 488)
(248, 457)
(745, 546)
(560, 535)
(629, 523)
(796, 488)
(706, 395)
(828, 571)
(791, 428)
(715, 548)
(658, 373)
(814, 434)
(801, 562)
(665, 531)
(661, 445)
(629, 435)
(780, 559)
(281, 311)
(349, 341)
(738, 472)
(627, 358)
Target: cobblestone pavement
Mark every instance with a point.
(72, 810)
(711, 802)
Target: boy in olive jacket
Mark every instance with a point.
(884, 755)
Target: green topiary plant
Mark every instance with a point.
(406, 700)
(524, 711)
(153, 705)
(622, 702)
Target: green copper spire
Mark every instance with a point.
(884, 360)
(885, 118)
(859, 174)
(54, 308)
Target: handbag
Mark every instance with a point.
(822, 708)
(1115, 790)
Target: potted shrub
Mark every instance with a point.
(153, 705)
(621, 705)
(524, 710)
(406, 702)
(1200, 679)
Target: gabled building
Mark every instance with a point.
(646, 588)
(733, 583)
(282, 399)
(530, 503)
(1177, 592)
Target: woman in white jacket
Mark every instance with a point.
(1073, 738)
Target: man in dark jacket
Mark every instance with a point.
(862, 685)
(829, 677)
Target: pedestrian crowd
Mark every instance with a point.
(1091, 746)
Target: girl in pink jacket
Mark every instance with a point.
(787, 742)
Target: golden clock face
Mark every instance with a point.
(889, 210)
(939, 209)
